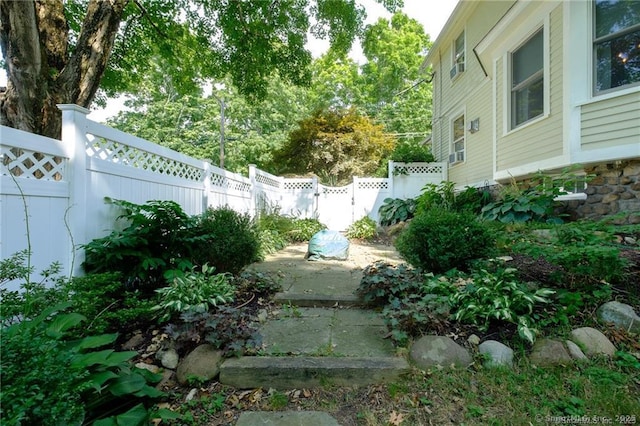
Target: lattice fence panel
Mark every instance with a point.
(233, 184)
(293, 185)
(267, 180)
(336, 190)
(119, 153)
(373, 185)
(28, 164)
(419, 169)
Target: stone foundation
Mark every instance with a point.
(613, 192)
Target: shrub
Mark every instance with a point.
(363, 229)
(48, 379)
(439, 240)
(395, 210)
(195, 292)
(412, 151)
(229, 240)
(416, 314)
(157, 238)
(382, 281)
(444, 196)
(303, 229)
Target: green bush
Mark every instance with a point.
(195, 292)
(303, 229)
(363, 229)
(412, 151)
(395, 210)
(444, 196)
(50, 380)
(439, 240)
(158, 237)
(228, 240)
(382, 281)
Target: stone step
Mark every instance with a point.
(317, 300)
(309, 372)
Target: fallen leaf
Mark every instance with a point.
(396, 418)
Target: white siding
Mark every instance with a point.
(611, 122)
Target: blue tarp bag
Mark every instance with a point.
(328, 244)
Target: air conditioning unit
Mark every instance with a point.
(457, 69)
(456, 157)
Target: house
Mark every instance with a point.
(527, 86)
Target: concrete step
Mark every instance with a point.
(317, 300)
(309, 372)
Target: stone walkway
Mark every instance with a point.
(319, 335)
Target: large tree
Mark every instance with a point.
(335, 145)
(63, 52)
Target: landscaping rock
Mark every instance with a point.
(168, 358)
(134, 342)
(620, 314)
(473, 340)
(203, 363)
(432, 351)
(593, 341)
(575, 351)
(547, 352)
(497, 354)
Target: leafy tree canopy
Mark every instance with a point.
(335, 145)
(63, 52)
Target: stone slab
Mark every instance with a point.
(309, 372)
(360, 340)
(314, 299)
(296, 335)
(286, 418)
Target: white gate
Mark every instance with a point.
(335, 206)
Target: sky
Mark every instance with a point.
(432, 14)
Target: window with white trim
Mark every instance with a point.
(458, 56)
(527, 80)
(457, 145)
(616, 44)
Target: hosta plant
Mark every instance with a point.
(195, 292)
(395, 210)
(363, 229)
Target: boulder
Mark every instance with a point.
(547, 352)
(592, 341)
(574, 350)
(620, 314)
(168, 358)
(497, 354)
(432, 351)
(203, 363)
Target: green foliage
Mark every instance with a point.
(395, 210)
(383, 281)
(336, 145)
(439, 240)
(535, 203)
(585, 252)
(195, 291)
(484, 296)
(34, 296)
(229, 242)
(414, 314)
(231, 330)
(444, 196)
(257, 283)
(303, 229)
(363, 229)
(156, 238)
(48, 379)
(411, 151)
(110, 305)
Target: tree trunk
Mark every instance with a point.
(34, 41)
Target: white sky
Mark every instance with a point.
(432, 14)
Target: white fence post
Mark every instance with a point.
(253, 206)
(74, 124)
(206, 185)
(391, 180)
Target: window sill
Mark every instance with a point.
(614, 93)
(576, 196)
(526, 124)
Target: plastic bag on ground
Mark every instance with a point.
(328, 244)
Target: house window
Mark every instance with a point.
(458, 56)
(527, 80)
(458, 141)
(616, 44)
